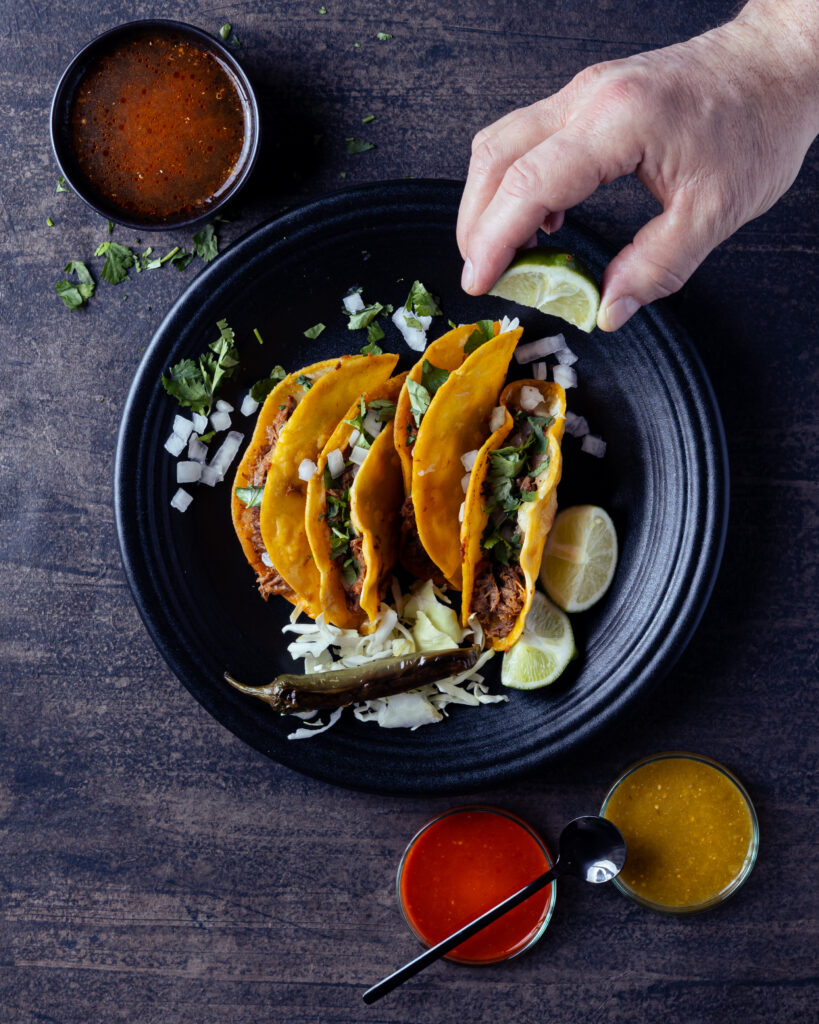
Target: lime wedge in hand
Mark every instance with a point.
(580, 557)
(544, 650)
(554, 282)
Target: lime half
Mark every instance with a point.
(544, 650)
(554, 282)
(580, 557)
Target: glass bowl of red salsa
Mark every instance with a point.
(462, 863)
(154, 124)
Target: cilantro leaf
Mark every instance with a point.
(358, 146)
(61, 185)
(224, 31)
(375, 332)
(371, 349)
(185, 383)
(384, 409)
(484, 331)
(421, 302)
(118, 260)
(194, 384)
(314, 331)
(76, 295)
(382, 37)
(251, 496)
(364, 317)
(305, 381)
(181, 259)
(419, 400)
(206, 244)
(262, 388)
(432, 377)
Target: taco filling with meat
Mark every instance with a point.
(353, 507)
(509, 508)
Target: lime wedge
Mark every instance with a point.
(580, 557)
(554, 282)
(544, 650)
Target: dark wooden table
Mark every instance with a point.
(153, 868)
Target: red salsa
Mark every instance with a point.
(157, 126)
(461, 865)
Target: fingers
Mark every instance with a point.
(664, 254)
(494, 150)
(545, 181)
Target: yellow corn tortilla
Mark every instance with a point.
(304, 436)
(246, 520)
(376, 495)
(456, 422)
(534, 518)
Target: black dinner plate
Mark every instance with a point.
(663, 480)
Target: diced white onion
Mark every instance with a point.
(465, 482)
(468, 459)
(461, 512)
(197, 452)
(533, 350)
(249, 405)
(530, 398)
(576, 425)
(268, 561)
(220, 420)
(210, 476)
(358, 455)
(307, 469)
(508, 324)
(182, 427)
(416, 339)
(223, 406)
(181, 500)
(497, 419)
(175, 444)
(335, 463)
(566, 357)
(593, 445)
(188, 472)
(372, 424)
(353, 303)
(354, 437)
(540, 371)
(227, 452)
(565, 376)
(200, 423)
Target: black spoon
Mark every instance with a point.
(590, 848)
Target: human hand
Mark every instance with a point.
(716, 128)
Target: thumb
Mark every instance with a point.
(664, 254)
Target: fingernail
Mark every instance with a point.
(468, 275)
(613, 317)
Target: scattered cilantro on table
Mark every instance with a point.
(358, 146)
(61, 185)
(206, 244)
(118, 260)
(76, 295)
(224, 31)
(382, 37)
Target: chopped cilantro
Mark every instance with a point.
(258, 337)
(110, 227)
(342, 175)
(181, 259)
(118, 260)
(224, 31)
(383, 408)
(432, 377)
(49, 222)
(382, 37)
(262, 388)
(207, 438)
(484, 331)
(368, 119)
(322, 9)
(419, 400)
(366, 439)
(421, 302)
(194, 383)
(358, 146)
(314, 331)
(76, 295)
(305, 381)
(251, 496)
(206, 244)
(371, 349)
(364, 317)
(61, 184)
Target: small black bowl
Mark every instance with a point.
(61, 123)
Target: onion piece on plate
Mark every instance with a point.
(181, 500)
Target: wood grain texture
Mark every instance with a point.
(154, 869)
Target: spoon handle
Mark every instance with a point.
(429, 956)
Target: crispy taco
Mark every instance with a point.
(510, 504)
(443, 412)
(269, 495)
(353, 505)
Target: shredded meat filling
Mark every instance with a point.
(413, 554)
(353, 592)
(497, 597)
(268, 579)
